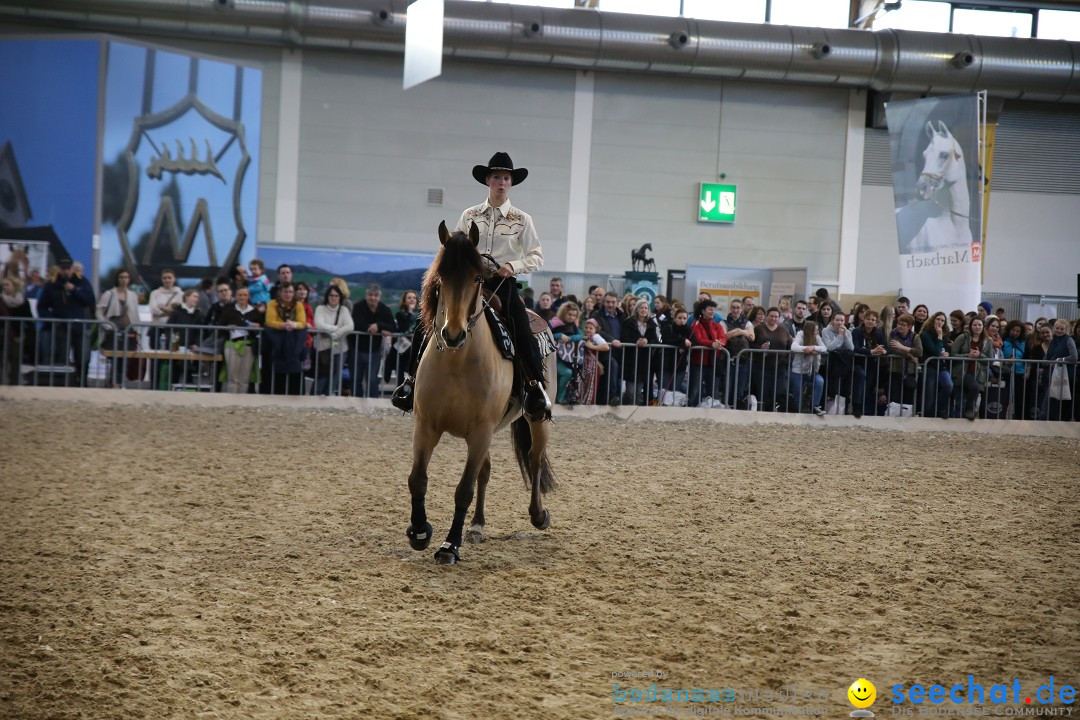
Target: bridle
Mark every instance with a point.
(941, 176)
(481, 304)
(945, 167)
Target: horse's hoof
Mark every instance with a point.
(475, 534)
(419, 540)
(447, 554)
(544, 522)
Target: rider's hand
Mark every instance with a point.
(506, 271)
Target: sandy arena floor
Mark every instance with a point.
(252, 563)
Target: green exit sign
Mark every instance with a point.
(716, 203)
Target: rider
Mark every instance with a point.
(509, 236)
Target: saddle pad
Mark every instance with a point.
(499, 333)
(537, 324)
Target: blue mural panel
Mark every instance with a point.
(48, 142)
(181, 155)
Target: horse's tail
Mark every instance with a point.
(522, 438)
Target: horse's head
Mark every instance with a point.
(943, 161)
(459, 272)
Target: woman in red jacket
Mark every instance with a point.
(707, 337)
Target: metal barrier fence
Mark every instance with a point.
(199, 358)
(1054, 306)
(834, 383)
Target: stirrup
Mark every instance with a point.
(402, 398)
(537, 402)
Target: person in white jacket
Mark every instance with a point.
(806, 352)
(163, 301)
(334, 318)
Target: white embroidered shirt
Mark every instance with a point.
(507, 234)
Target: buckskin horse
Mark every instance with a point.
(464, 387)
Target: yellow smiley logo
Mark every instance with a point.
(862, 693)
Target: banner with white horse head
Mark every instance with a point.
(934, 144)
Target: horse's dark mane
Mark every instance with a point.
(457, 258)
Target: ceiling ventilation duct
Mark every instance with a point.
(887, 61)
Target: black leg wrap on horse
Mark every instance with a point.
(419, 540)
(447, 554)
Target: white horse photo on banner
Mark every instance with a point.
(935, 148)
(943, 182)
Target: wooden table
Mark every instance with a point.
(163, 359)
(163, 355)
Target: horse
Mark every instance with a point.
(464, 388)
(943, 182)
(638, 256)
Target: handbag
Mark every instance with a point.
(136, 367)
(324, 362)
(896, 409)
(1059, 384)
(911, 381)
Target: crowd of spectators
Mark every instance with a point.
(810, 356)
(801, 356)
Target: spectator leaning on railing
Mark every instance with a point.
(286, 331)
(869, 342)
(638, 332)
(740, 333)
(1037, 373)
(163, 300)
(68, 297)
(567, 333)
(708, 337)
(807, 348)
(904, 361)
(970, 376)
(609, 319)
(933, 343)
(217, 338)
(16, 334)
(1076, 372)
(591, 368)
(1060, 393)
(676, 333)
(241, 318)
(334, 318)
(1013, 347)
(405, 320)
(840, 365)
(118, 311)
(770, 375)
(373, 320)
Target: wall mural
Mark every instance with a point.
(180, 164)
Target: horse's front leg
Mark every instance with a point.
(476, 529)
(420, 530)
(479, 443)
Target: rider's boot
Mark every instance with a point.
(402, 398)
(535, 402)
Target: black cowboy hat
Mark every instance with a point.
(499, 161)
